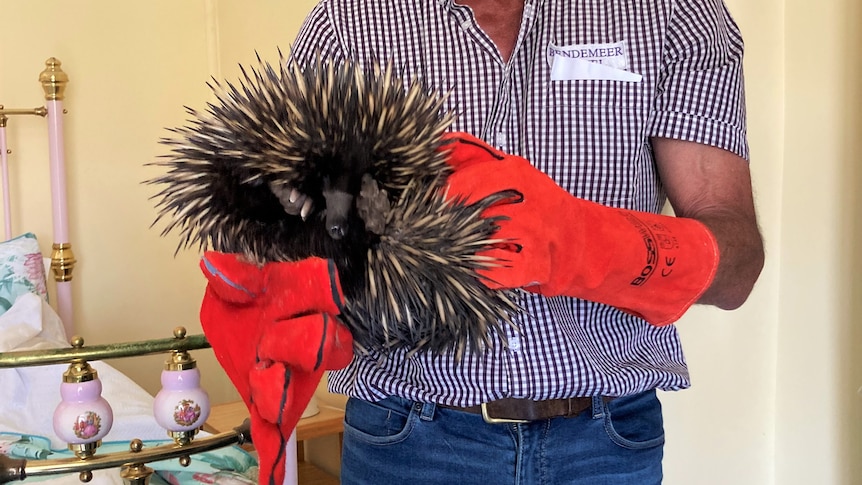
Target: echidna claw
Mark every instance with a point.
(307, 207)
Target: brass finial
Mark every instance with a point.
(53, 80)
(62, 261)
(136, 473)
(136, 445)
(183, 438)
(180, 359)
(85, 450)
(79, 370)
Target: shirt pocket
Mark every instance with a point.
(598, 93)
(596, 138)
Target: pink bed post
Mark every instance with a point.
(54, 81)
(291, 467)
(4, 166)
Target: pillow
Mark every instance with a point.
(21, 270)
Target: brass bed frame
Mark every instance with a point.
(132, 463)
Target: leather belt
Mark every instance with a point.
(511, 410)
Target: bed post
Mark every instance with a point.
(63, 261)
(4, 167)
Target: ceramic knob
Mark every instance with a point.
(181, 406)
(83, 416)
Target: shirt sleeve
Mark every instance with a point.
(318, 37)
(700, 91)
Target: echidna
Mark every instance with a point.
(364, 147)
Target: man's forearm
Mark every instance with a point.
(741, 258)
(713, 186)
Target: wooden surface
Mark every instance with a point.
(329, 420)
(311, 475)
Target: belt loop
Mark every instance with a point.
(598, 407)
(427, 411)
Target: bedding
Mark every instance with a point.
(22, 270)
(30, 395)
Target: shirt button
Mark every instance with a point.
(501, 140)
(515, 343)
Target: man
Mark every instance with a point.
(622, 103)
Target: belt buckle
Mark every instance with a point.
(492, 420)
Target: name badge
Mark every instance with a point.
(591, 61)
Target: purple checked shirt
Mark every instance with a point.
(660, 68)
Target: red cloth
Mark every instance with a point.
(273, 328)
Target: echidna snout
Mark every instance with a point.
(338, 206)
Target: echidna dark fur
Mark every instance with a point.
(406, 256)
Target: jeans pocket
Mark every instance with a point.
(384, 422)
(635, 422)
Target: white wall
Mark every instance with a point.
(774, 398)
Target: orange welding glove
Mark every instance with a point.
(274, 331)
(648, 265)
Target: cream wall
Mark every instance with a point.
(819, 359)
(722, 431)
(774, 398)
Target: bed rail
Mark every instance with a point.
(99, 352)
(132, 463)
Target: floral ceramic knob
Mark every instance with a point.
(83, 416)
(181, 406)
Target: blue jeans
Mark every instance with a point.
(397, 441)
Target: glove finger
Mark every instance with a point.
(269, 442)
(309, 343)
(516, 267)
(340, 351)
(309, 285)
(465, 150)
(269, 382)
(232, 279)
(280, 394)
(476, 181)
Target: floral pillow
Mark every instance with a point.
(21, 270)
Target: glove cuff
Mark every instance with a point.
(650, 265)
